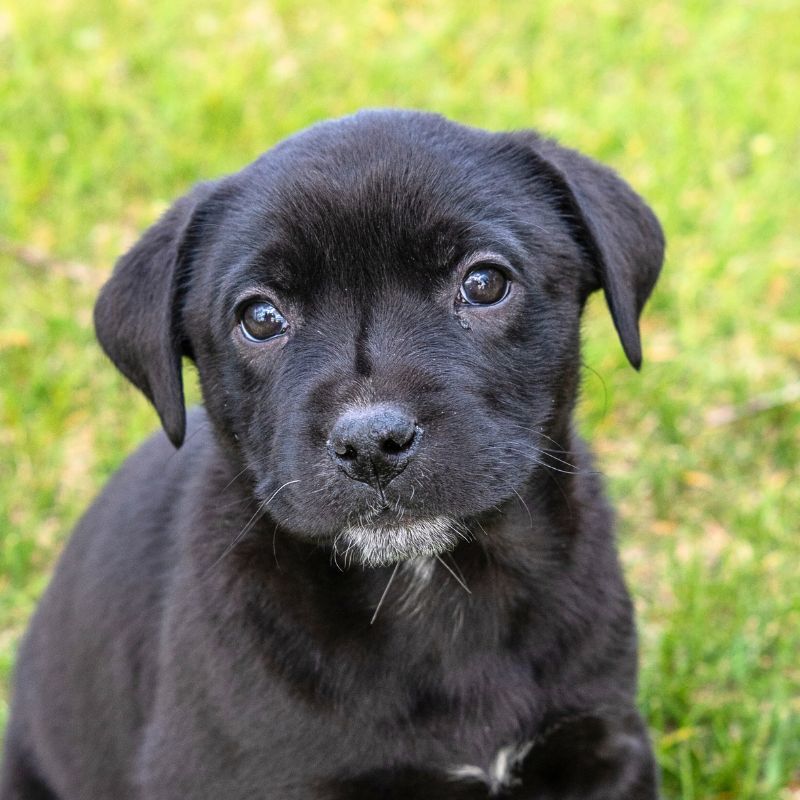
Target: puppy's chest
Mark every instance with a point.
(436, 684)
(471, 718)
(433, 781)
(447, 757)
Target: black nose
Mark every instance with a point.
(374, 444)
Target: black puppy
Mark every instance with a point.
(380, 565)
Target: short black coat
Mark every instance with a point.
(201, 638)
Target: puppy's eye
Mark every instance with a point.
(261, 321)
(484, 285)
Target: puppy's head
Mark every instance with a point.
(384, 312)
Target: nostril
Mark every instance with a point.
(374, 444)
(397, 443)
(345, 451)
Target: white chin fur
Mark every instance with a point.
(380, 545)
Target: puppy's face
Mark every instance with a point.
(384, 312)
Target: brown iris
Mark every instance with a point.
(484, 285)
(261, 321)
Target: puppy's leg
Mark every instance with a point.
(18, 779)
(600, 756)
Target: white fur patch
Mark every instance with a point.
(500, 774)
(419, 570)
(417, 573)
(380, 545)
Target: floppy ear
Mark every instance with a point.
(137, 315)
(618, 231)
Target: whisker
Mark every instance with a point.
(535, 451)
(274, 547)
(551, 439)
(335, 548)
(385, 592)
(249, 524)
(551, 453)
(602, 383)
(559, 445)
(241, 472)
(459, 529)
(554, 479)
(544, 464)
(524, 505)
(456, 568)
(455, 577)
(238, 475)
(556, 469)
(237, 503)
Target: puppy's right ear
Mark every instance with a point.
(137, 316)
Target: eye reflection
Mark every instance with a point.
(484, 285)
(262, 321)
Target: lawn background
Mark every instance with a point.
(110, 110)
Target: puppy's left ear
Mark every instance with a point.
(618, 231)
(137, 316)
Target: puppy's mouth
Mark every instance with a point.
(379, 541)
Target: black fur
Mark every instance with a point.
(206, 636)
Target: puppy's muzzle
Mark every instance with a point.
(374, 444)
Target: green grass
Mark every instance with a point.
(108, 111)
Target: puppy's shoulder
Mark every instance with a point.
(102, 611)
(138, 507)
(157, 468)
